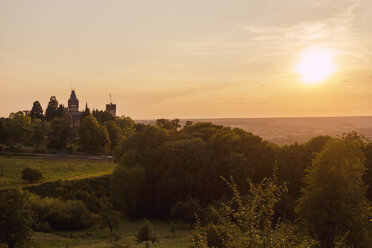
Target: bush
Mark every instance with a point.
(146, 234)
(186, 211)
(31, 174)
(61, 215)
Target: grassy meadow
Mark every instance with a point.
(52, 168)
(101, 238)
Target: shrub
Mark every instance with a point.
(62, 215)
(146, 234)
(186, 211)
(31, 174)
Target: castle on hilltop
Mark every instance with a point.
(74, 115)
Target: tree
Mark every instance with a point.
(39, 131)
(4, 134)
(19, 127)
(109, 216)
(31, 175)
(127, 187)
(59, 134)
(247, 221)
(15, 217)
(51, 110)
(333, 204)
(115, 133)
(93, 137)
(85, 113)
(126, 124)
(37, 111)
(146, 234)
(102, 116)
(171, 125)
(60, 113)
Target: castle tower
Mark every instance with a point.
(73, 102)
(111, 108)
(73, 113)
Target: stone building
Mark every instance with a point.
(74, 115)
(72, 112)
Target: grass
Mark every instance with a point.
(52, 169)
(100, 238)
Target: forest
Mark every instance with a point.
(233, 187)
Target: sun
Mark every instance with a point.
(315, 65)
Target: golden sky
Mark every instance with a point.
(186, 59)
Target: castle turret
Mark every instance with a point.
(73, 102)
(111, 108)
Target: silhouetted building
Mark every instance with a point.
(74, 115)
(72, 112)
(111, 108)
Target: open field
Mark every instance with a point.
(100, 238)
(52, 168)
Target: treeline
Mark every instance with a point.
(168, 171)
(246, 192)
(99, 131)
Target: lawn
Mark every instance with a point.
(100, 238)
(52, 169)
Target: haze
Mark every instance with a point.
(186, 59)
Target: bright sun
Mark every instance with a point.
(315, 65)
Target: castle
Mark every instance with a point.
(74, 115)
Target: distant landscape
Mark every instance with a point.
(288, 130)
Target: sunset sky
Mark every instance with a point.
(189, 58)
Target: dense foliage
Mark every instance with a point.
(333, 205)
(16, 218)
(60, 215)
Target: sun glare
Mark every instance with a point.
(315, 65)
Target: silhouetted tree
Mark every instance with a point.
(102, 116)
(37, 111)
(39, 132)
(60, 113)
(85, 113)
(59, 134)
(51, 110)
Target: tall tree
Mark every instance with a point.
(15, 218)
(333, 205)
(60, 113)
(94, 138)
(126, 124)
(51, 110)
(4, 134)
(59, 133)
(39, 132)
(115, 133)
(37, 111)
(19, 127)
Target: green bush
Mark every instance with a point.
(31, 175)
(62, 215)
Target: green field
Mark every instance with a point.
(52, 168)
(100, 238)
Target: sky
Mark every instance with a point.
(186, 58)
